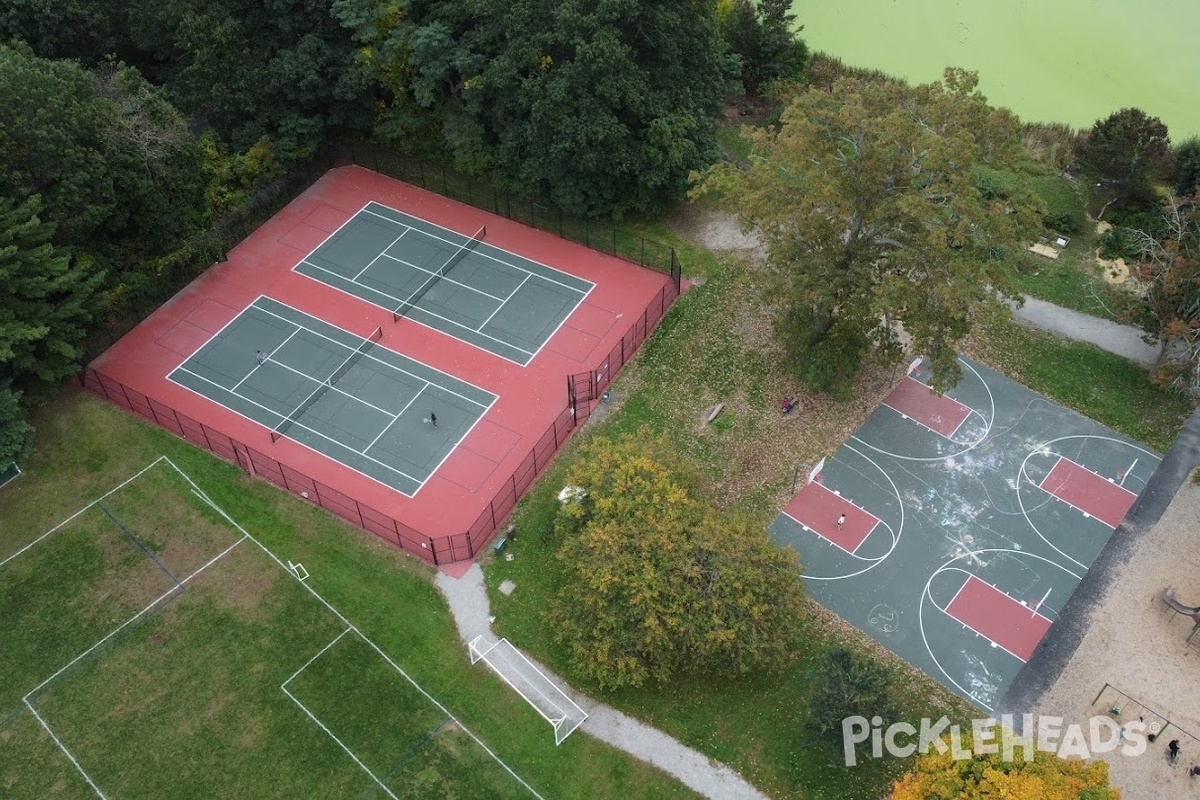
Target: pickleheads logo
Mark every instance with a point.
(991, 736)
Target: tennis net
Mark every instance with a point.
(284, 426)
(458, 256)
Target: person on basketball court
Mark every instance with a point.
(841, 521)
(433, 419)
(259, 356)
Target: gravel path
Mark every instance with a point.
(469, 604)
(1120, 339)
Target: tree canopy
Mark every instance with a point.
(45, 301)
(1169, 260)
(763, 37)
(1045, 776)
(658, 585)
(873, 222)
(1124, 155)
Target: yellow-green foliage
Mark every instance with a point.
(658, 584)
(1044, 777)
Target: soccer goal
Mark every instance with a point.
(531, 683)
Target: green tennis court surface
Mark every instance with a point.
(459, 285)
(355, 401)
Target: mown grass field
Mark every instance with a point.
(198, 665)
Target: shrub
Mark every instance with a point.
(1066, 211)
(848, 684)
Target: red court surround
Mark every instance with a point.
(937, 412)
(1091, 493)
(998, 617)
(818, 509)
(532, 399)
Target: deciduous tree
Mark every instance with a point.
(1170, 261)
(657, 585)
(1124, 155)
(1187, 167)
(1044, 776)
(874, 223)
(764, 37)
(601, 107)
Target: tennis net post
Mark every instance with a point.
(286, 423)
(458, 256)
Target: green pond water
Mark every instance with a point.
(1072, 61)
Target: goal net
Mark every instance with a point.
(531, 683)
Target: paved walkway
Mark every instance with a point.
(1124, 340)
(472, 614)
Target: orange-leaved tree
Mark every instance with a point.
(657, 583)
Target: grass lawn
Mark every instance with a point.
(218, 673)
(716, 346)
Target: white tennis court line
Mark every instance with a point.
(374, 358)
(399, 302)
(365, 209)
(387, 427)
(382, 254)
(432, 273)
(335, 389)
(269, 357)
(511, 295)
(299, 424)
(359, 633)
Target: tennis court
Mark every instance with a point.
(342, 395)
(483, 295)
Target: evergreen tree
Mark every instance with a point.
(46, 302)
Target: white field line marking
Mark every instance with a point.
(200, 493)
(66, 752)
(270, 356)
(340, 744)
(320, 653)
(86, 508)
(137, 616)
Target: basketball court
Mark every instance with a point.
(953, 528)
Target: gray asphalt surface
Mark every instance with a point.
(1120, 339)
